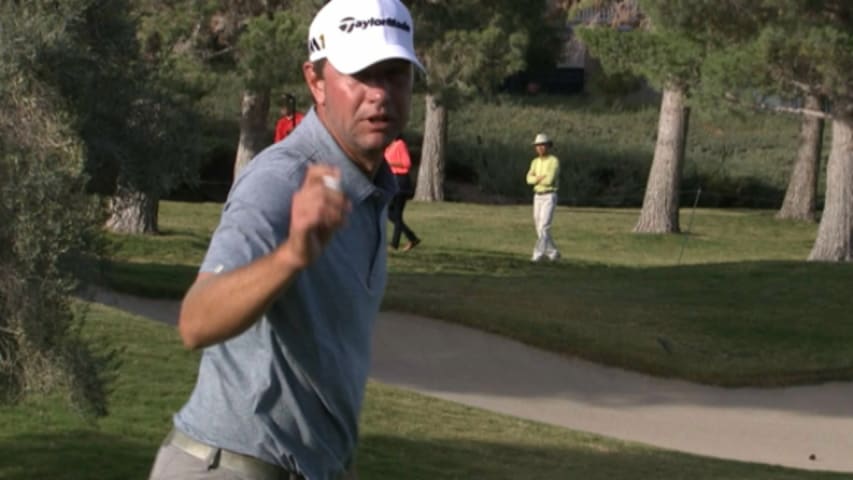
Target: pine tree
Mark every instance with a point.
(259, 42)
(801, 195)
(139, 139)
(672, 62)
(49, 225)
(468, 47)
(791, 49)
(271, 51)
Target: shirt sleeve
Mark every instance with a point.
(255, 218)
(405, 159)
(531, 174)
(552, 169)
(397, 156)
(280, 129)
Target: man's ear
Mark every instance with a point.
(315, 83)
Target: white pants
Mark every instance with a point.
(543, 214)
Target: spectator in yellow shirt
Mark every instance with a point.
(544, 175)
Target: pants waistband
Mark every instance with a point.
(546, 193)
(246, 465)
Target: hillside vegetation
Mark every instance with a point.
(605, 148)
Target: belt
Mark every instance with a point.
(546, 193)
(251, 467)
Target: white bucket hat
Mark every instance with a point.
(355, 34)
(542, 139)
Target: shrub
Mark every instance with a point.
(605, 148)
(605, 151)
(48, 236)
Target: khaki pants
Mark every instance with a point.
(172, 463)
(543, 214)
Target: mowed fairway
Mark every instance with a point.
(741, 308)
(731, 302)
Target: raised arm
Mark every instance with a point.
(220, 306)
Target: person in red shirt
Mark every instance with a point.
(290, 118)
(397, 156)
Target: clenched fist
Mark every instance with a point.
(318, 209)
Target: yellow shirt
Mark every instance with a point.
(549, 168)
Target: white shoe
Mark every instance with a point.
(554, 257)
(536, 259)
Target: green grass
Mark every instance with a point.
(731, 303)
(741, 308)
(164, 265)
(43, 440)
(403, 435)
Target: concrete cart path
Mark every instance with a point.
(807, 427)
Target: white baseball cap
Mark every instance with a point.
(355, 34)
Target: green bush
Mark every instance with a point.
(605, 148)
(49, 231)
(47, 227)
(606, 152)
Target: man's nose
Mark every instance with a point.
(379, 88)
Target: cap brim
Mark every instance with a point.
(353, 63)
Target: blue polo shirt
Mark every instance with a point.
(289, 389)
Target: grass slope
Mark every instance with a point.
(404, 435)
(729, 303)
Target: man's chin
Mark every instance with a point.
(378, 139)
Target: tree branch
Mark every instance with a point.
(218, 53)
(799, 111)
(732, 99)
(11, 332)
(802, 86)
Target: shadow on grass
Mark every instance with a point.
(462, 261)
(75, 455)
(197, 239)
(186, 240)
(90, 455)
(766, 323)
(154, 280)
(392, 457)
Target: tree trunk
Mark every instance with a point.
(661, 201)
(800, 198)
(430, 187)
(255, 108)
(835, 233)
(132, 212)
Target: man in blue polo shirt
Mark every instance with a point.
(286, 298)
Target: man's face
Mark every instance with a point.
(364, 111)
(541, 149)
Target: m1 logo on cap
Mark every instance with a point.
(348, 24)
(317, 43)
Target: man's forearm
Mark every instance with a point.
(220, 306)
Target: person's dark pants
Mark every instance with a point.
(395, 214)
